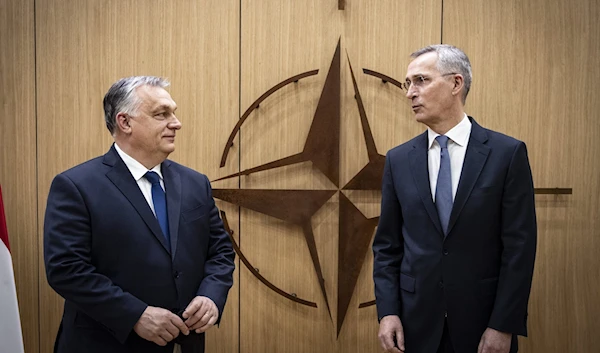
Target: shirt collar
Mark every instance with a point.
(459, 134)
(136, 168)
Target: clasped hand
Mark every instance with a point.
(161, 326)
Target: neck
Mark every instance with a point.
(445, 124)
(148, 161)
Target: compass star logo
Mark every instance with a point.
(322, 149)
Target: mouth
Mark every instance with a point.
(416, 106)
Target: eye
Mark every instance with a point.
(419, 81)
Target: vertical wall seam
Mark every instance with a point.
(37, 184)
(239, 177)
(442, 24)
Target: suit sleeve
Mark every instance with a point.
(519, 237)
(69, 267)
(219, 265)
(388, 249)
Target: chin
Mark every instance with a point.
(420, 118)
(168, 149)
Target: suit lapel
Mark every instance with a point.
(120, 176)
(420, 172)
(173, 190)
(475, 158)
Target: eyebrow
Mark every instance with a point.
(165, 107)
(415, 75)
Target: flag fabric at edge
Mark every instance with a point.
(11, 337)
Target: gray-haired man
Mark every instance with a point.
(132, 240)
(455, 245)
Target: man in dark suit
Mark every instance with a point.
(455, 246)
(132, 241)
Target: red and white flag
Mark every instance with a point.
(11, 338)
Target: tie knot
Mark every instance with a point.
(443, 141)
(152, 177)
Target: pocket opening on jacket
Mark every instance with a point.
(407, 282)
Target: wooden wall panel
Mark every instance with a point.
(83, 47)
(380, 35)
(17, 155)
(535, 68)
(279, 40)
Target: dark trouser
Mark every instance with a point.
(445, 343)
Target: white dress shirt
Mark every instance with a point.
(457, 148)
(138, 171)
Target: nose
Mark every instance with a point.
(174, 124)
(411, 93)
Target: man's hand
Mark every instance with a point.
(201, 314)
(159, 325)
(390, 327)
(493, 341)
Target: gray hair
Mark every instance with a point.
(121, 98)
(450, 59)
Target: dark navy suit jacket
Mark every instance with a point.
(106, 256)
(480, 274)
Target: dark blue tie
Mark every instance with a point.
(160, 204)
(443, 190)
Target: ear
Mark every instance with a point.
(459, 83)
(123, 122)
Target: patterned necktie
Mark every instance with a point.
(443, 190)
(160, 204)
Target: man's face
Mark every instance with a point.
(153, 124)
(430, 91)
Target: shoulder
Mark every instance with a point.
(86, 177)
(491, 137)
(84, 170)
(498, 138)
(504, 147)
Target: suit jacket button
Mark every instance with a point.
(445, 251)
(441, 284)
(176, 274)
